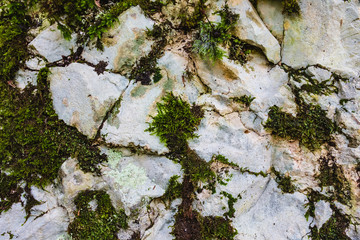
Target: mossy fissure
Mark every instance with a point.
(175, 123)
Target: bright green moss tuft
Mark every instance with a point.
(231, 201)
(175, 122)
(245, 99)
(311, 126)
(99, 220)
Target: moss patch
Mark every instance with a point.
(174, 124)
(284, 182)
(245, 99)
(333, 175)
(99, 221)
(310, 127)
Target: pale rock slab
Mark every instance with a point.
(35, 63)
(271, 216)
(133, 180)
(228, 136)
(269, 12)
(125, 43)
(245, 187)
(251, 29)
(327, 33)
(47, 220)
(51, 44)
(81, 97)
(256, 78)
(25, 77)
(128, 122)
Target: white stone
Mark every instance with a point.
(256, 78)
(322, 213)
(35, 63)
(124, 43)
(81, 97)
(274, 216)
(25, 77)
(51, 44)
(269, 13)
(228, 136)
(251, 29)
(134, 180)
(326, 33)
(49, 226)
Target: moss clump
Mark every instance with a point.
(311, 126)
(216, 228)
(284, 182)
(173, 191)
(245, 99)
(333, 175)
(175, 123)
(223, 159)
(313, 197)
(103, 222)
(231, 202)
(146, 67)
(14, 23)
(334, 228)
(213, 34)
(291, 6)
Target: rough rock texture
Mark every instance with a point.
(82, 97)
(333, 44)
(51, 44)
(265, 188)
(125, 43)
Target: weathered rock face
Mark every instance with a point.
(271, 185)
(85, 107)
(332, 44)
(125, 43)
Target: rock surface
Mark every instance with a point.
(302, 56)
(82, 98)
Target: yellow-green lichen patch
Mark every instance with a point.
(129, 176)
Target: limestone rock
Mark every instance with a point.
(133, 181)
(128, 121)
(51, 44)
(326, 33)
(124, 43)
(228, 136)
(267, 216)
(25, 77)
(269, 12)
(81, 97)
(251, 29)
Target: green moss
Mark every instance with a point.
(223, 159)
(245, 99)
(231, 202)
(284, 182)
(311, 126)
(332, 229)
(174, 190)
(291, 6)
(146, 67)
(14, 23)
(175, 123)
(217, 228)
(333, 175)
(191, 15)
(103, 222)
